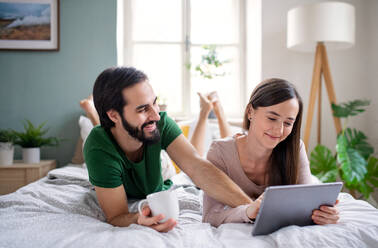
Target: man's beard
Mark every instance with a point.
(140, 135)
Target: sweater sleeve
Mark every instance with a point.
(304, 173)
(215, 212)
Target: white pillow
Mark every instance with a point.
(168, 170)
(85, 127)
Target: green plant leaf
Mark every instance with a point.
(323, 164)
(350, 108)
(370, 182)
(372, 172)
(365, 189)
(33, 136)
(7, 136)
(358, 141)
(353, 165)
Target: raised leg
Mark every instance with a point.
(88, 106)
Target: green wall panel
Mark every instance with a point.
(47, 86)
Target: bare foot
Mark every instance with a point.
(213, 96)
(87, 105)
(214, 99)
(205, 104)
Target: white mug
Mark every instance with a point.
(163, 202)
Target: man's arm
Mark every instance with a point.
(205, 175)
(113, 202)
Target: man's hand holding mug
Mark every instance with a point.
(159, 211)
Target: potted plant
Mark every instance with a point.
(7, 138)
(31, 140)
(353, 161)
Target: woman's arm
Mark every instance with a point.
(304, 172)
(217, 213)
(325, 214)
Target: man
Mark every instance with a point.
(123, 154)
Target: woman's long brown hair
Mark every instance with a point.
(283, 168)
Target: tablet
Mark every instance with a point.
(293, 205)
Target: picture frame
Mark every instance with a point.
(29, 25)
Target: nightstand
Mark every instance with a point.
(15, 176)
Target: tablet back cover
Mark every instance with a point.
(293, 205)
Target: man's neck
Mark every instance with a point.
(130, 146)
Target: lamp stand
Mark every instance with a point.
(321, 66)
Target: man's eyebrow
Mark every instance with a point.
(141, 106)
(145, 105)
(276, 114)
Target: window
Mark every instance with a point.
(163, 37)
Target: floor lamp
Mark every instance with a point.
(330, 24)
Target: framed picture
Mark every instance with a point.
(29, 25)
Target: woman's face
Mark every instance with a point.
(271, 125)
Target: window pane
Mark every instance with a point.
(227, 86)
(157, 20)
(214, 21)
(162, 64)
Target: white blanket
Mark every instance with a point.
(61, 210)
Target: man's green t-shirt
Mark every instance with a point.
(108, 166)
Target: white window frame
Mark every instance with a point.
(249, 48)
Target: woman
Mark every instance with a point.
(269, 153)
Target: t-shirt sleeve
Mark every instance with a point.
(304, 173)
(103, 171)
(170, 131)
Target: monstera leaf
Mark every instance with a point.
(323, 164)
(358, 141)
(351, 108)
(372, 174)
(353, 164)
(371, 178)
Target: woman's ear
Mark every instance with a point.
(251, 112)
(113, 115)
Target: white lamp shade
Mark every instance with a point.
(329, 22)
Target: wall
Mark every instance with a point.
(372, 72)
(47, 86)
(371, 64)
(352, 78)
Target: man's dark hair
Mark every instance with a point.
(107, 90)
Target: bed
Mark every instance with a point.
(61, 210)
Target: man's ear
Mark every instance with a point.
(113, 115)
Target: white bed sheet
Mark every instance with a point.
(61, 210)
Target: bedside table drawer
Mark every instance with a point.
(11, 180)
(19, 174)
